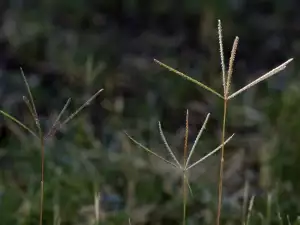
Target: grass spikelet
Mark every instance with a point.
(188, 78)
(263, 77)
(231, 62)
(220, 38)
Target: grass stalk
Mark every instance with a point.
(40, 133)
(226, 96)
(220, 189)
(42, 178)
(32, 109)
(184, 184)
(184, 174)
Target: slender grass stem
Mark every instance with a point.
(42, 178)
(184, 197)
(222, 163)
(184, 180)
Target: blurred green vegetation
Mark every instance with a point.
(72, 48)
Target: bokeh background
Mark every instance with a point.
(73, 48)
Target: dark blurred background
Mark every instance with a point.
(73, 48)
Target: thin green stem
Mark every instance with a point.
(42, 178)
(184, 197)
(222, 162)
(184, 166)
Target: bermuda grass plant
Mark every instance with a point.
(225, 96)
(42, 135)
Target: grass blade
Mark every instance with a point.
(149, 151)
(197, 139)
(263, 77)
(18, 122)
(167, 145)
(211, 153)
(188, 78)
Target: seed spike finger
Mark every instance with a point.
(231, 62)
(220, 37)
(55, 126)
(263, 77)
(189, 78)
(167, 145)
(197, 139)
(82, 107)
(211, 153)
(18, 122)
(149, 151)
